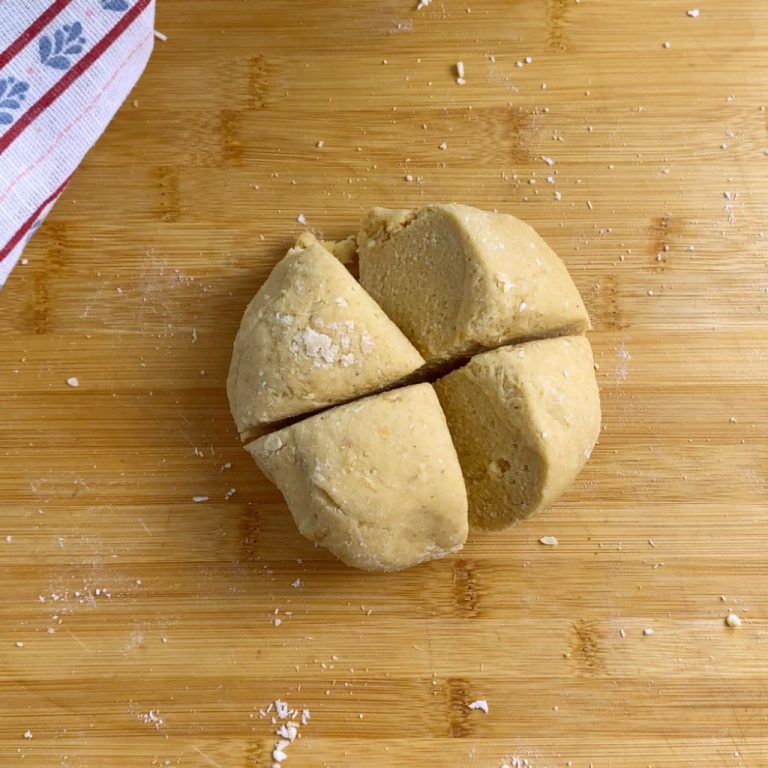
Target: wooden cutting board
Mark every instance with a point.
(139, 626)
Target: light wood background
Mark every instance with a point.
(136, 283)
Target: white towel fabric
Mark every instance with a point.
(66, 66)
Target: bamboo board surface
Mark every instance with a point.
(147, 620)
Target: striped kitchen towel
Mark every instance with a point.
(66, 66)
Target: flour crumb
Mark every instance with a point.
(297, 583)
(694, 13)
(443, 145)
(648, 632)
(287, 731)
(27, 735)
(320, 144)
(73, 381)
(732, 620)
(151, 718)
(161, 37)
(548, 160)
(200, 499)
(19, 644)
(549, 541)
(423, 4)
(460, 73)
(301, 219)
(480, 704)
(505, 281)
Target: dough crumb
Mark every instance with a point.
(732, 620)
(693, 13)
(549, 541)
(648, 632)
(480, 704)
(199, 499)
(73, 381)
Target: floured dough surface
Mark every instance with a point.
(310, 338)
(377, 482)
(524, 420)
(458, 280)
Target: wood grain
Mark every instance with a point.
(136, 284)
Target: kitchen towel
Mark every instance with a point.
(66, 66)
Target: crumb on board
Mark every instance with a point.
(732, 620)
(200, 499)
(460, 73)
(694, 13)
(161, 37)
(73, 381)
(549, 541)
(648, 632)
(151, 718)
(480, 704)
(287, 731)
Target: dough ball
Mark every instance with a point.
(310, 338)
(524, 421)
(458, 280)
(377, 482)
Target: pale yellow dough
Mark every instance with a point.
(457, 280)
(524, 420)
(376, 482)
(310, 338)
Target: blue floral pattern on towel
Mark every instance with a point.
(12, 93)
(115, 5)
(57, 51)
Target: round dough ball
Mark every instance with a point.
(524, 421)
(377, 482)
(457, 280)
(310, 338)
